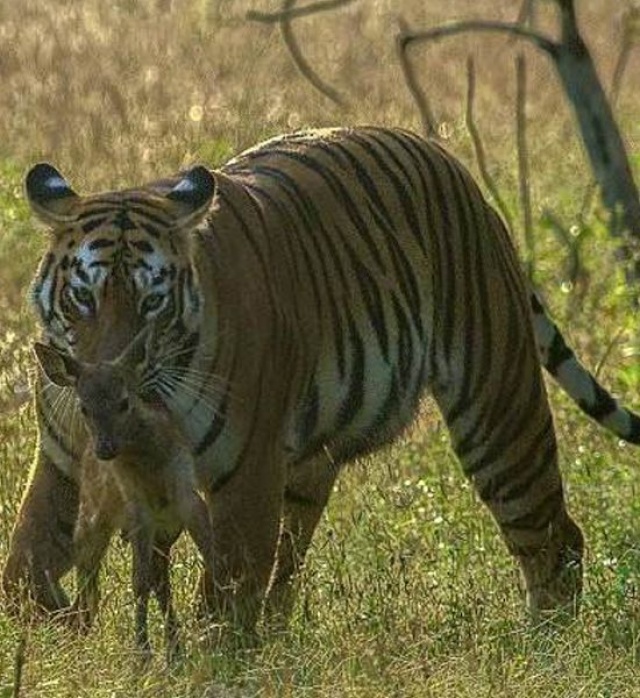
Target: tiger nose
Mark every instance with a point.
(105, 449)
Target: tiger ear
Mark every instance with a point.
(49, 195)
(192, 196)
(60, 368)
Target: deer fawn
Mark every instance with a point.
(137, 471)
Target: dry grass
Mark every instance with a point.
(408, 591)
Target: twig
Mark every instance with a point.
(284, 18)
(429, 124)
(527, 13)
(631, 20)
(523, 162)
(294, 13)
(479, 148)
(600, 133)
(541, 41)
(631, 17)
(574, 267)
(18, 665)
(607, 352)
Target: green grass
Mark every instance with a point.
(408, 590)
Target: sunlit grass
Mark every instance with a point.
(408, 590)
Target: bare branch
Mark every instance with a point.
(284, 17)
(599, 130)
(429, 123)
(541, 41)
(295, 13)
(630, 23)
(575, 269)
(523, 163)
(479, 148)
(600, 133)
(527, 13)
(607, 352)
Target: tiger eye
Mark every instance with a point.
(151, 302)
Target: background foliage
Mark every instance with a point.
(408, 590)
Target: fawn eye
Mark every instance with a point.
(83, 410)
(123, 405)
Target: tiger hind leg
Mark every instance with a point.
(507, 448)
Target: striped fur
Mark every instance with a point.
(305, 308)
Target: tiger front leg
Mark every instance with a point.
(41, 545)
(245, 517)
(306, 495)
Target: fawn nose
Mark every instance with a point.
(105, 449)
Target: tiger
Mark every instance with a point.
(307, 294)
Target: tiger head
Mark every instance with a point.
(118, 260)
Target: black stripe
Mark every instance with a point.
(389, 409)
(355, 394)
(309, 414)
(149, 229)
(123, 221)
(538, 519)
(101, 243)
(373, 303)
(215, 428)
(404, 343)
(92, 225)
(603, 405)
(559, 352)
(407, 280)
(505, 426)
(343, 194)
(407, 203)
(312, 228)
(504, 485)
(142, 245)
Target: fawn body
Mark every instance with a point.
(137, 472)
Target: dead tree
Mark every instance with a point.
(583, 88)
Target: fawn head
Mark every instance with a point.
(107, 390)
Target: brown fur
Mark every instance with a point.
(138, 472)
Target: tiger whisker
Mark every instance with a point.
(175, 386)
(200, 378)
(197, 389)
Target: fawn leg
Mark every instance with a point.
(141, 543)
(160, 572)
(92, 536)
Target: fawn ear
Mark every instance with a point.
(60, 368)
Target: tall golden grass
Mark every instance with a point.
(408, 590)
